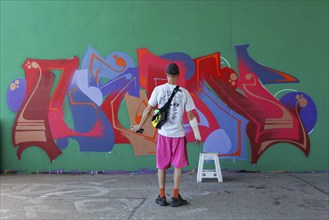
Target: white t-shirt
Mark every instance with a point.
(181, 102)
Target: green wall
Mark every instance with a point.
(291, 36)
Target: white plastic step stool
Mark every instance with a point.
(209, 173)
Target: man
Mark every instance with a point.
(171, 140)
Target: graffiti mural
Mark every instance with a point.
(233, 107)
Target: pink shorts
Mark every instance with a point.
(171, 151)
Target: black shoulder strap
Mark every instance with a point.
(169, 100)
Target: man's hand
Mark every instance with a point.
(145, 116)
(135, 128)
(197, 142)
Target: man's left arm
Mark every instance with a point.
(146, 114)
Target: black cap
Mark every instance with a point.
(172, 69)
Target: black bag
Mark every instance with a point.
(159, 118)
(160, 115)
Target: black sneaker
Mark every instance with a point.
(161, 201)
(175, 202)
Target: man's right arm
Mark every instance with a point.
(194, 126)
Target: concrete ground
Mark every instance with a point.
(132, 196)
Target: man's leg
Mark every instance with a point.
(162, 181)
(176, 199)
(161, 200)
(177, 181)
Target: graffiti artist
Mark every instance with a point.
(171, 139)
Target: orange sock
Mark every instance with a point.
(162, 192)
(175, 193)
